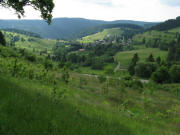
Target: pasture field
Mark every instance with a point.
(101, 35)
(31, 43)
(125, 57)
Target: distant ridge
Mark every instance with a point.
(62, 27)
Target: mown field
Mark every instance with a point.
(101, 35)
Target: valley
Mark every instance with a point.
(121, 79)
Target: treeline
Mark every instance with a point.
(163, 42)
(169, 24)
(27, 33)
(158, 70)
(2, 39)
(76, 54)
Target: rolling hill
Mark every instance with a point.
(61, 27)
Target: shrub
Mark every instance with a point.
(30, 57)
(145, 69)
(48, 64)
(127, 78)
(137, 84)
(65, 75)
(175, 73)
(98, 64)
(102, 78)
(161, 75)
(109, 71)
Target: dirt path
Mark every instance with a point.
(96, 76)
(117, 67)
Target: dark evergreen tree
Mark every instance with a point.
(175, 73)
(158, 60)
(133, 63)
(150, 58)
(2, 39)
(174, 52)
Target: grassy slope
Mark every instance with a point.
(102, 35)
(38, 44)
(26, 107)
(125, 57)
(157, 34)
(175, 30)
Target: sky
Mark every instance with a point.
(141, 10)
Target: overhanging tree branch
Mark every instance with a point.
(44, 6)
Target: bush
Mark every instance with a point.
(145, 69)
(127, 78)
(29, 56)
(137, 84)
(102, 78)
(109, 71)
(161, 75)
(98, 64)
(175, 73)
(48, 64)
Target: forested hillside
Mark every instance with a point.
(60, 27)
(169, 24)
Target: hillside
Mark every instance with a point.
(37, 101)
(110, 31)
(100, 28)
(101, 35)
(157, 39)
(169, 24)
(60, 27)
(125, 57)
(29, 43)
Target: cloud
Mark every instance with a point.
(144, 10)
(106, 3)
(174, 3)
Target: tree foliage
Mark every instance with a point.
(2, 39)
(150, 58)
(175, 73)
(44, 6)
(161, 75)
(145, 69)
(134, 61)
(174, 52)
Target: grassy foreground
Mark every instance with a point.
(27, 108)
(30, 107)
